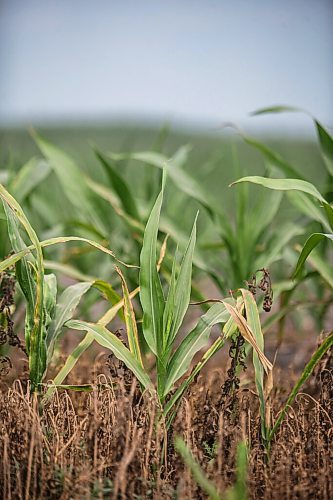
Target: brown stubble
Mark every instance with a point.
(84, 445)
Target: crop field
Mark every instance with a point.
(166, 314)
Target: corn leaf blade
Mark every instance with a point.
(65, 308)
(28, 178)
(284, 185)
(121, 188)
(131, 326)
(57, 241)
(326, 144)
(178, 301)
(192, 343)
(36, 334)
(309, 245)
(213, 349)
(182, 179)
(71, 361)
(107, 339)
(151, 293)
(72, 182)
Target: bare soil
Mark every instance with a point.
(105, 444)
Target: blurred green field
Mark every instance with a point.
(216, 159)
(211, 153)
(212, 159)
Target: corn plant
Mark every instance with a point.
(164, 308)
(244, 246)
(45, 316)
(303, 187)
(307, 198)
(314, 209)
(247, 245)
(162, 317)
(303, 194)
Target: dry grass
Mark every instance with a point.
(105, 444)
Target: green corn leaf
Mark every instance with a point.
(151, 293)
(49, 308)
(323, 348)
(37, 347)
(320, 264)
(23, 270)
(50, 301)
(291, 185)
(107, 290)
(309, 245)
(253, 320)
(329, 214)
(67, 304)
(178, 301)
(154, 158)
(65, 308)
(262, 215)
(281, 237)
(71, 361)
(175, 398)
(72, 182)
(170, 302)
(67, 270)
(205, 484)
(308, 206)
(326, 145)
(182, 179)
(273, 158)
(68, 239)
(111, 295)
(275, 109)
(86, 228)
(192, 343)
(107, 339)
(224, 228)
(121, 188)
(57, 241)
(79, 387)
(284, 185)
(83, 346)
(150, 157)
(131, 326)
(325, 139)
(107, 195)
(168, 226)
(28, 178)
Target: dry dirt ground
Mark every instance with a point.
(105, 443)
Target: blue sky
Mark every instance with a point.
(189, 61)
